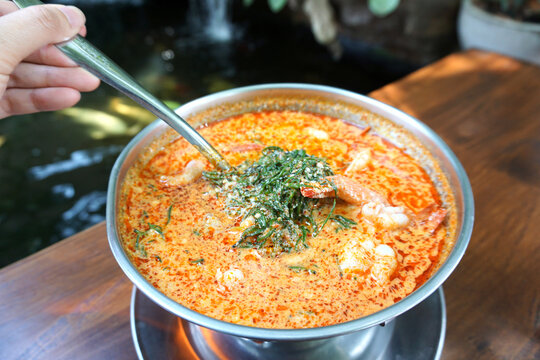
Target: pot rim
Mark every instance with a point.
(379, 317)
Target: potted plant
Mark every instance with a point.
(405, 33)
(322, 18)
(510, 27)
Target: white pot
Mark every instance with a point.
(482, 30)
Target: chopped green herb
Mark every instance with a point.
(298, 269)
(165, 268)
(141, 234)
(327, 217)
(138, 239)
(342, 222)
(268, 191)
(168, 215)
(158, 258)
(196, 232)
(198, 261)
(143, 251)
(157, 229)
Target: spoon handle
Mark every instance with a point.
(90, 58)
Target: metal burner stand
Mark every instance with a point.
(417, 334)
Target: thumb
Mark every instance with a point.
(27, 30)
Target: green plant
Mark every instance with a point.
(377, 7)
(383, 7)
(527, 10)
(275, 5)
(507, 6)
(323, 22)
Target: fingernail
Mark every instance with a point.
(75, 16)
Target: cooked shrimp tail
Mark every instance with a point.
(432, 223)
(348, 189)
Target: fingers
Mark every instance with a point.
(50, 55)
(6, 7)
(26, 30)
(40, 76)
(25, 101)
(47, 80)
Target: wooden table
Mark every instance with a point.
(71, 301)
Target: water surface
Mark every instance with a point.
(55, 166)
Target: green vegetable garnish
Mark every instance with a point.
(157, 229)
(141, 234)
(298, 269)
(266, 194)
(342, 222)
(168, 215)
(143, 251)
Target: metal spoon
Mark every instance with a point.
(90, 58)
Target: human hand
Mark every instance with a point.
(35, 75)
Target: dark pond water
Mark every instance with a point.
(55, 166)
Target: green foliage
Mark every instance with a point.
(275, 5)
(508, 6)
(268, 191)
(382, 8)
(379, 8)
(521, 10)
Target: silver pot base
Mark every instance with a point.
(416, 334)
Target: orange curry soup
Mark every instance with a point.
(176, 228)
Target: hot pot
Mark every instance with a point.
(319, 99)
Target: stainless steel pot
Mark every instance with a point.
(313, 98)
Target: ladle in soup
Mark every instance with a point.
(90, 58)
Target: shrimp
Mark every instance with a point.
(432, 220)
(191, 172)
(389, 217)
(318, 134)
(229, 278)
(356, 257)
(236, 231)
(360, 160)
(374, 206)
(384, 264)
(364, 258)
(348, 189)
